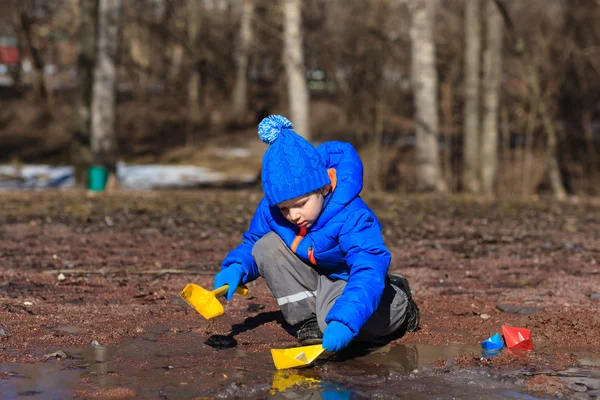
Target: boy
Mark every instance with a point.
(319, 246)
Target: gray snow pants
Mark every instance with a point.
(302, 292)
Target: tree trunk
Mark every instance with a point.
(491, 99)
(165, 45)
(425, 87)
(81, 155)
(23, 25)
(505, 152)
(471, 116)
(592, 154)
(293, 60)
(446, 106)
(194, 85)
(104, 136)
(531, 125)
(375, 180)
(175, 52)
(534, 85)
(552, 147)
(240, 91)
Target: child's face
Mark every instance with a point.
(303, 210)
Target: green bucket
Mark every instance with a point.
(97, 177)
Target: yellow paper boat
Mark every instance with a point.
(296, 356)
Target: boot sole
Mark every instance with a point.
(309, 342)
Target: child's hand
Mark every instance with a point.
(336, 336)
(231, 276)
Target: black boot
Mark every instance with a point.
(412, 310)
(309, 332)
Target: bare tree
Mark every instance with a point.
(104, 136)
(29, 41)
(425, 87)
(293, 59)
(534, 86)
(491, 98)
(194, 14)
(240, 91)
(81, 148)
(471, 180)
(580, 88)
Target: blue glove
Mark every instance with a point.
(336, 336)
(231, 276)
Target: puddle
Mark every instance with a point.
(592, 360)
(410, 357)
(67, 329)
(35, 381)
(185, 367)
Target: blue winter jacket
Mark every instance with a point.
(345, 242)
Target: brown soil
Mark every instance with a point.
(463, 258)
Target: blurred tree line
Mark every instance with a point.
(482, 96)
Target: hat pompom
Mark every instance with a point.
(270, 127)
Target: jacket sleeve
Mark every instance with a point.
(368, 259)
(242, 254)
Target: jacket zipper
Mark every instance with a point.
(311, 249)
(297, 239)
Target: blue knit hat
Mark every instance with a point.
(291, 166)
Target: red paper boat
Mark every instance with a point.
(517, 338)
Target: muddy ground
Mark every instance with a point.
(98, 279)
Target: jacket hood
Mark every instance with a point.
(349, 183)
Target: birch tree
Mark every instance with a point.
(293, 59)
(240, 91)
(471, 116)
(425, 88)
(491, 98)
(104, 136)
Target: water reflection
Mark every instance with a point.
(292, 385)
(100, 358)
(333, 394)
(284, 380)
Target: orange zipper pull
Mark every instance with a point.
(311, 255)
